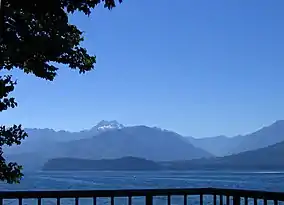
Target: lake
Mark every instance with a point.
(270, 181)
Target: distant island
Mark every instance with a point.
(121, 164)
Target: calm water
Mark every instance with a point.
(136, 180)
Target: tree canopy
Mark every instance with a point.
(35, 35)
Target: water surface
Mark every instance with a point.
(269, 181)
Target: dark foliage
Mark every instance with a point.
(35, 34)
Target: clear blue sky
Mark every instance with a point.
(198, 67)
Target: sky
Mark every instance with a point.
(198, 67)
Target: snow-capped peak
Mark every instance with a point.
(106, 125)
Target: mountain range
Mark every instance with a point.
(106, 140)
(268, 158)
(139, 141)
(39, 139)
(222, 145)
(111, 140)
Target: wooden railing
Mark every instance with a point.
(186, 196)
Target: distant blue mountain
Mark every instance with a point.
(40, 139)
(219, 145)
(111, 140)
(270, 158)
(222, 145)
(106, 140)
(138, 141)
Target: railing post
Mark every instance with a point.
(112, 200)
(215, 199)
(58, 201)
(149, 199)
(221, 200)
(236, 200)
(169, 199)
(76, 201)
(201, 199)
(246, 200)
(129, 200)
(264, 201)
(228, 200)
(185, 199)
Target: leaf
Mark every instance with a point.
(36, 37)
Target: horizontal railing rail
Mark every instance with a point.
(220, 196)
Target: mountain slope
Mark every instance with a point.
(40, 139)
(264, 137)
(139, 141)
(269, 158)
(221, 146)
(218, 146)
